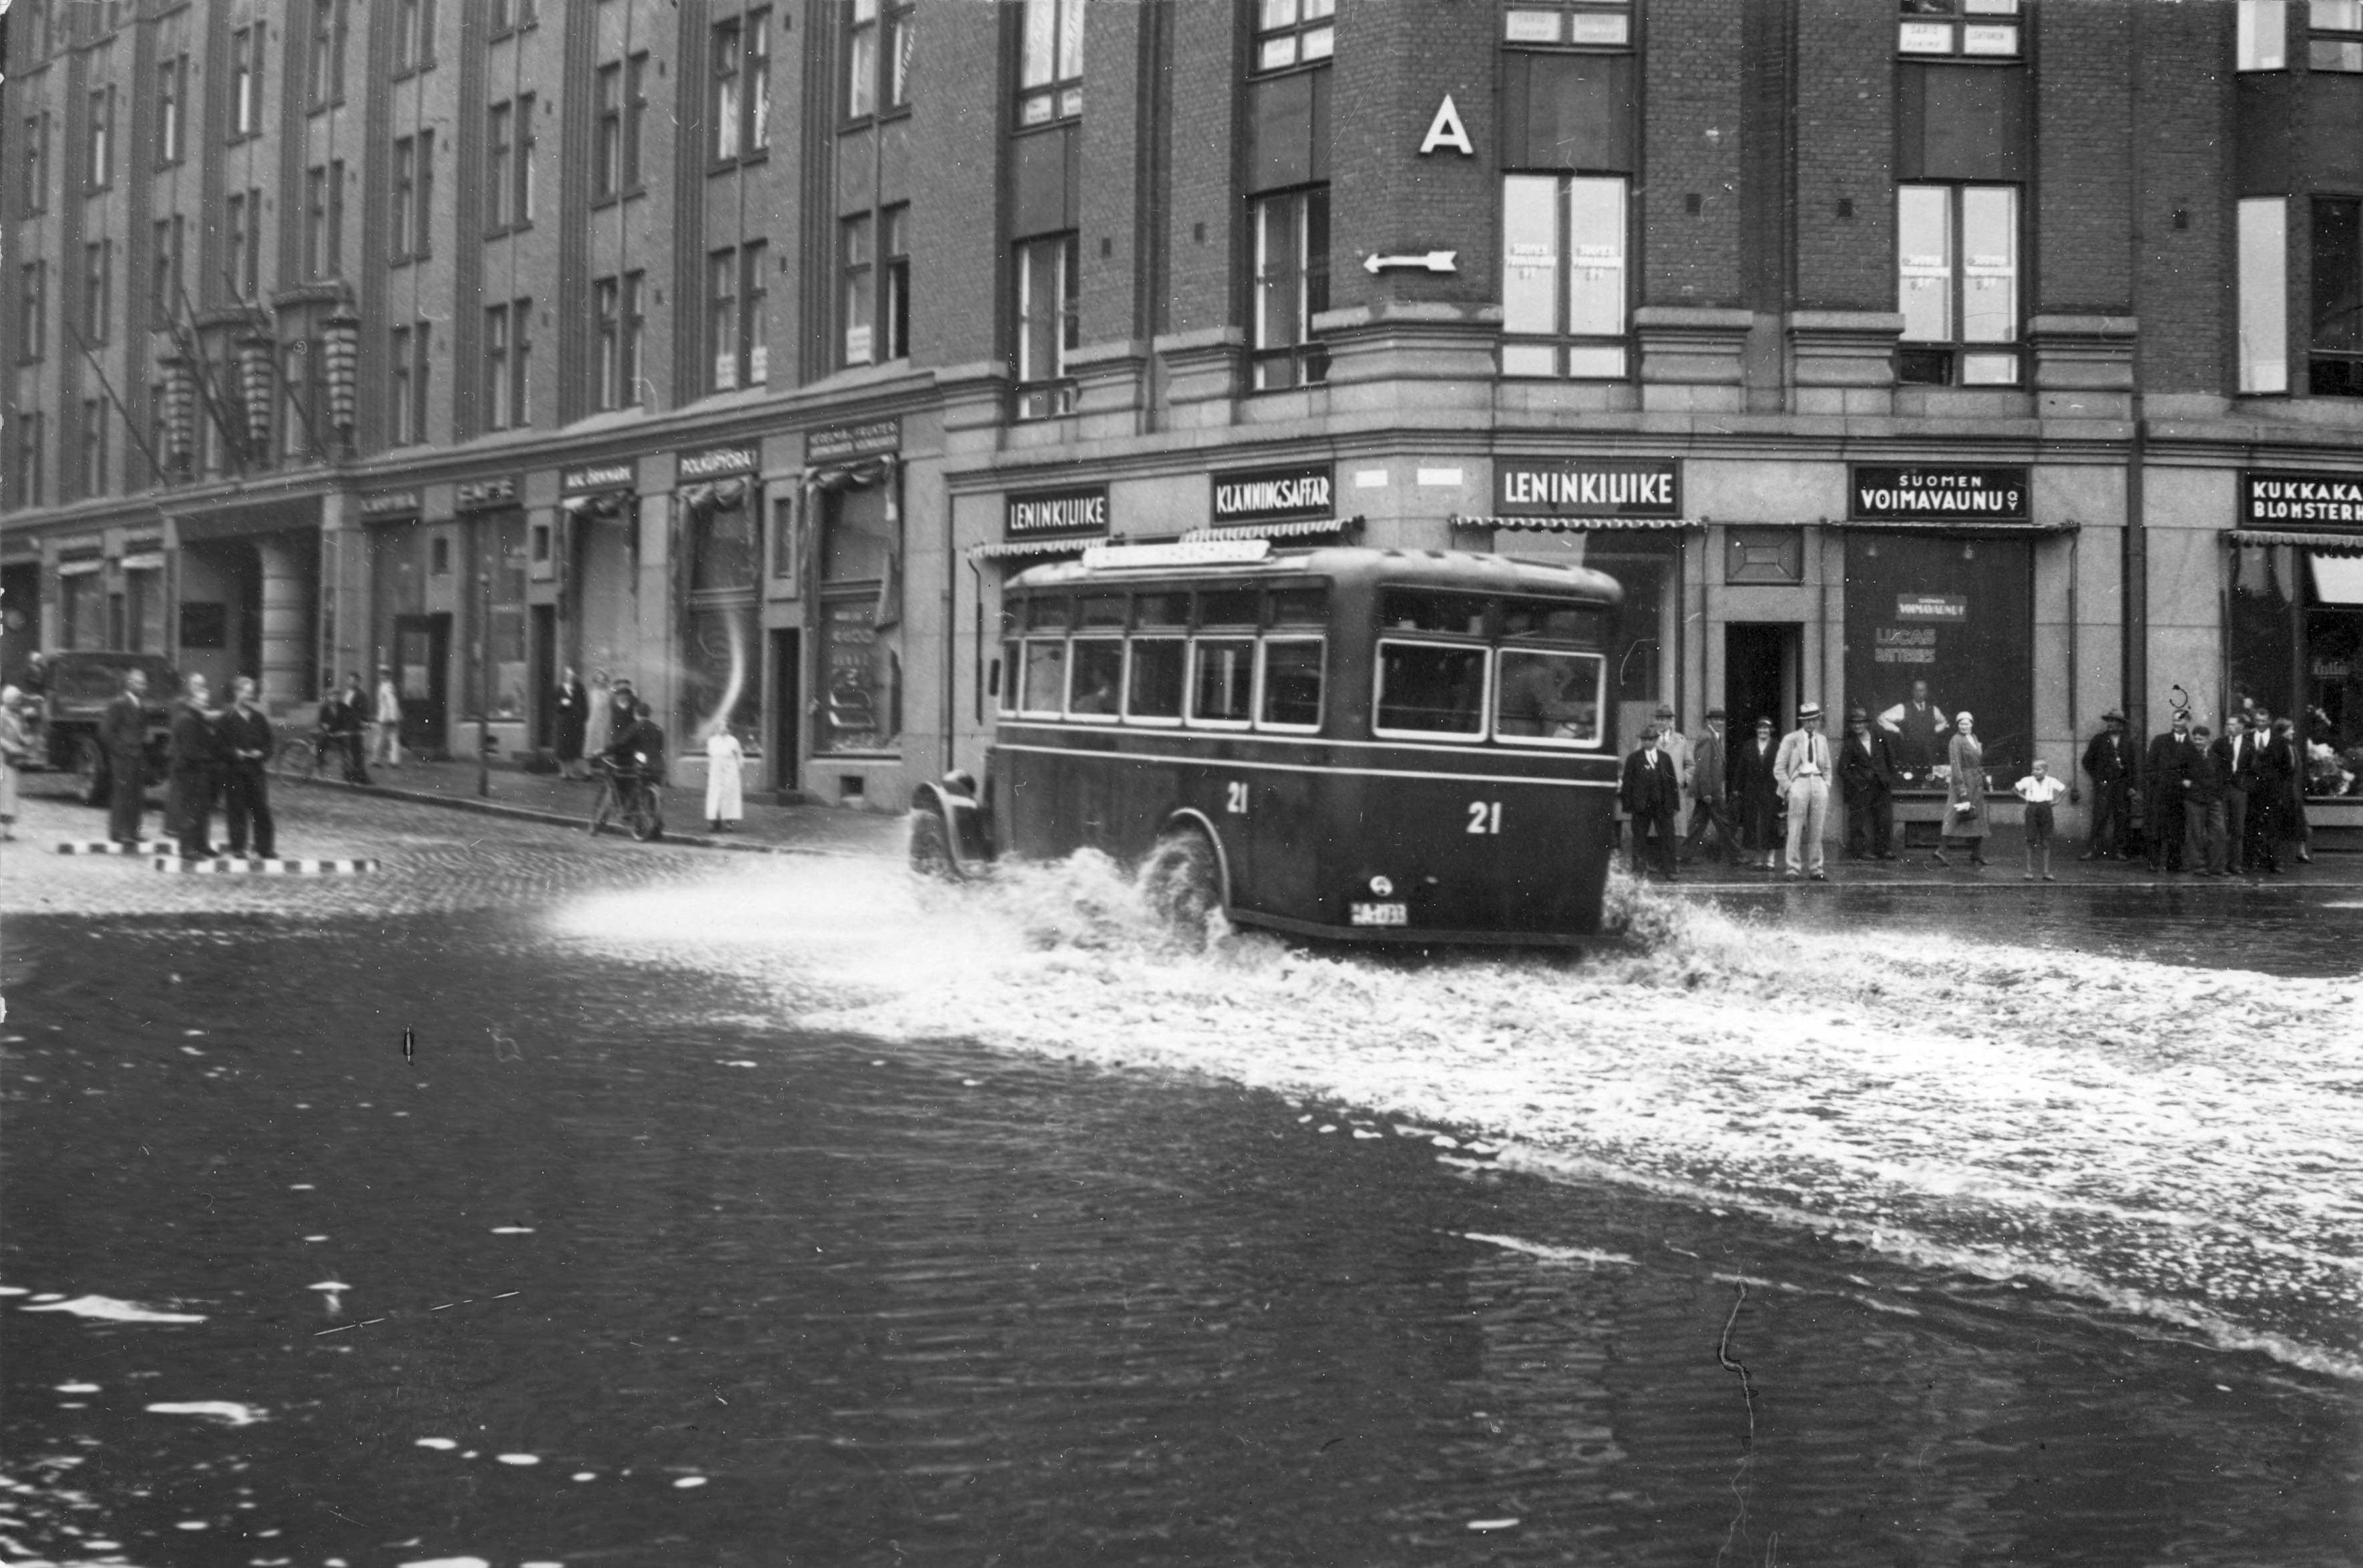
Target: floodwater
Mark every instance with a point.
(812, 1217)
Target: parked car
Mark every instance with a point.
(80, 685)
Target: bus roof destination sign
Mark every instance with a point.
(1587, 487)
(1056, 514)
(1910, 494)
(1192, 553)
(1272, 495)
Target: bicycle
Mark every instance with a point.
(300, 758)
(628, 796)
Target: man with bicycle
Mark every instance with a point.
(634, 765)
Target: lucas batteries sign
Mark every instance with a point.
(1581, 487)
(1056, 514)
(1897, 495)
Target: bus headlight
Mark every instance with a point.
(1382, 885)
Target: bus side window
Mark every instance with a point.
(1224, 687)
(1301, 606)
(1154, 691)
(1046, 675)
(1430, 688)
(1292, 682)
(1098, 677)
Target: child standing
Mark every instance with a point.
(2038, 790)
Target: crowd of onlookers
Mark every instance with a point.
(2210, 805)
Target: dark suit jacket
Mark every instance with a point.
(2243, 776)
(1867, 765)
(248, 731)
(2208, 771)
(1709, 767)
(340, 717)
(2168, 764)
(1751, 771)
(196, 741)
(1650, 787)
(2110, 764)
(2276, 763)
(123, 727)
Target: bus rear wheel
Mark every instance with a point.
(1184, 883)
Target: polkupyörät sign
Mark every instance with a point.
(1272, 495)
(1884, 493)
(1080, 512)
(716, 462)
(1587, 487)
(2270, 499)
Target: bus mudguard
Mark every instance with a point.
(1193, 817)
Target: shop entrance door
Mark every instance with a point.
(422, 645)
(787, 706)
(542, 676)
(1761, 661)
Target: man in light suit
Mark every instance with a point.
(1803, 772)
(1649, 793)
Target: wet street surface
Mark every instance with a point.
(783, 1213)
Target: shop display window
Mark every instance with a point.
(1937, 624)
(2295, 648)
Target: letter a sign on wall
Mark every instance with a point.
(1446, 130)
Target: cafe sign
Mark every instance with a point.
(1056, 514)
(1915, 492)
(840, 443)
(1587, 487)
(599, 476)
(1271, 495)
(716, 462)
(2268, 498)
(478, 494)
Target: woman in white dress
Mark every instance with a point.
(726, 760)
(598, 724)
(16, 750)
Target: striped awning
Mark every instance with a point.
(1018, 550)
(2329, 544)
(1576, 524)
(1983, 528)
(1302, 528)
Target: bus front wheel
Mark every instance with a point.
(1184, 883)
(931, 845)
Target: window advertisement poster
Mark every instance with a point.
(1936, 625)
(860, 702)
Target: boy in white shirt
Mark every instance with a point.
(2038, 790)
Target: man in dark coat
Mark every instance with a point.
(2109, 763)
(570, 718)
(1752, 781)
(246, 786)
(197, 758)
(2268, 817)
(2235, 764)
(123, 732)
(2166, 774)
(2202, 807)
(1650, 794)
(1711, 792)
(1867, 777)
(344, 724)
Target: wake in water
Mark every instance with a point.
(2171, 1143)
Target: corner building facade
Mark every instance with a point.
(2011, 348)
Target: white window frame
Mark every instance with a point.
(1123, 673)
(1058, 707)
(1190, 686)
(1453, 737)
(1263, 659)
(2262, 271)
(1572, 355)
(1599, 699)
(1162, 721)
(1959, 270)
(2261, 35)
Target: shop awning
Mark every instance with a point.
(1576, 524)
(1018, 549)
(1987, 528)
(1302, 528)
(2327, 544)
(718, 496)
(2339, 579)
(603, 503)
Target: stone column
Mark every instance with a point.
(286, 609)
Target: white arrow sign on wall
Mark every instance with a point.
(1433, 262)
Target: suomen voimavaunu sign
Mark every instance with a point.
(1915, 492)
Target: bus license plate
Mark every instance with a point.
(1382, 914)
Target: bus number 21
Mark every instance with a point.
(1485, 816)
(1237, 799)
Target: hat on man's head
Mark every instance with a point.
(1856, 715)
(1649, 732)
(1809, 711)
(1714, 714)
(2113, 717)
(1665, 711)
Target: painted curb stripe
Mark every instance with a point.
(107, 846)
(265, 867)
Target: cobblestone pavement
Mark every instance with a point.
(431, 859)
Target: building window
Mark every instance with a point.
(856, 266)
(1564, 297)
(736, 317)
(507, 16)
(1294, 32)
(742, 85)
(98, 166)
(1607, 25)
(1050, 62)
(324, 220)
(722, 320)
(2262, 30)
(400, 216)
(894, 282)
(496, 367)
(635, 110)
(2335, 366)
(410, 382)
(1963, 29)
(98, 280)
(1292, 287)
(627, 373)
(607, 152)
(326, 82)
(754, 315)
(522, 204)
(32, 310)
(171, 109)
(894, 91)
(28, 458)
(30, 31)
(36, 163)
(607, 311)
(1049, 325)
(402, 429)
(93, 446)
(878, 57)
(1956, 284)
(164, 284)
(876, 285)
(414, 34)
(2335, 35)
(246, 81)
(499, 174)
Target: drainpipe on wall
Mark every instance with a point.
(2136, 581)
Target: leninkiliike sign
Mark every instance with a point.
(1266, 495)
(1579, 486)
(1882, 492)
(2271, 497)
(1051, 514)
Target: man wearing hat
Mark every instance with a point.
(2165, 776)
(1711, 792)
(1866, 776)
(1675, 745)
(2108, 762)
(1803, 772)
(1649, 792)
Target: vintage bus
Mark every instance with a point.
(1339, 743)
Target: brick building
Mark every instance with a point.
(2013, 345)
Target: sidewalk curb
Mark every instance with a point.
(557, 818)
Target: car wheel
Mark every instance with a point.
(92, 778)
(1184, 883)
(931, 845)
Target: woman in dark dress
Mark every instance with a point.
(1762, 818)
(572, 709)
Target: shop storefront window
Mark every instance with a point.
(494, 684)
(721, 678)
(1936, 625)
(860, 637)
(2296, 649)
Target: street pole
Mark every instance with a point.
(484, 684)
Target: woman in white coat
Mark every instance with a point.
(725, 761)
(598, 721)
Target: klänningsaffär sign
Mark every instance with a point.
(2268, 498)
(1271, 495)
(1883, 492)
(1587, 487)
(1080, 512)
